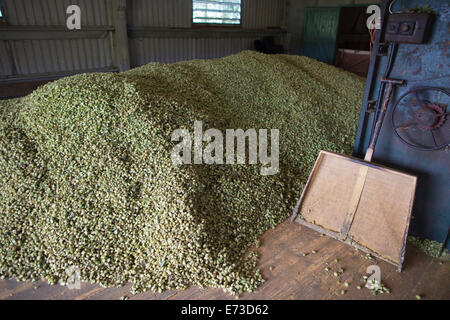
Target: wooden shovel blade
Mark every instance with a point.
(359, 202)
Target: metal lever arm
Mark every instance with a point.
(387, 98)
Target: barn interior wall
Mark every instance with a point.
(36, 44)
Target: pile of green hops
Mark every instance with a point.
(87, 181)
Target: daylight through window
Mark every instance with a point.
(216, 11)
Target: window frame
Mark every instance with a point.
(3, 21)
(215, 26)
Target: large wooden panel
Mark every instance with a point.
(383, 214)
(328, 197)
(359, 202)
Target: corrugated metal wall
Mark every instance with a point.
(259, 14)
(256, 14)
(159, 13)
(144, 50)
(53, 12)
(182, 45)
(47, 56)
(6, 67)
(32, 57)
(172, 37)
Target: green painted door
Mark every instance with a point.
(319, 34)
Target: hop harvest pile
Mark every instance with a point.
(86, 178)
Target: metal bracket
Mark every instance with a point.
(383, 49)
(371, 106)
(408, 27)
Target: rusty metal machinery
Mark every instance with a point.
(413, 47)
(419, 118)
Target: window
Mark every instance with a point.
(216, 11)
(1, 13)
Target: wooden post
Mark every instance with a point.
(121, 49)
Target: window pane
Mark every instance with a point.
(216, 11)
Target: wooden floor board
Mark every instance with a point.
(288, 274)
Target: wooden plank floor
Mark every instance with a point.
(288, 274)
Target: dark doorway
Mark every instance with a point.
(353, 41)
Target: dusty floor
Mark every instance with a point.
(288, 274)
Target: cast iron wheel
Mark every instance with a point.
(419, 118)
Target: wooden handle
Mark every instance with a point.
(369, 154)
(376, 133)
